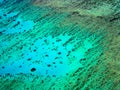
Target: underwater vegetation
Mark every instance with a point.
(59, 45)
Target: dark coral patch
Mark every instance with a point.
(33, 69)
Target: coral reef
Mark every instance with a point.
(59, 45)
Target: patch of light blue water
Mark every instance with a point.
(50, 58)
(16, 26)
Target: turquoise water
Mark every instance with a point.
(42, 49)
(49, 56)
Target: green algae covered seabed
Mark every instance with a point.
(59, 45)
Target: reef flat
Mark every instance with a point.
(59, 45)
